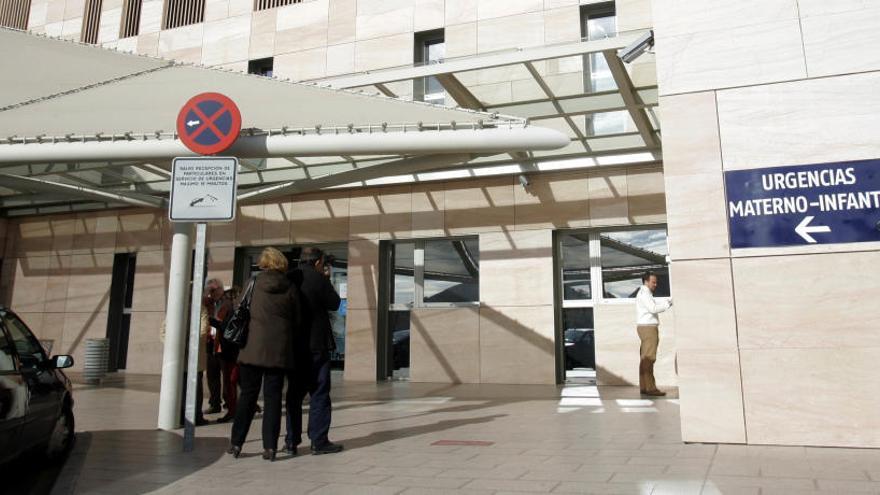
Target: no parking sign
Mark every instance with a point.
(209, 123)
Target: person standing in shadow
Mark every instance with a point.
(268, 353)
(318, 299)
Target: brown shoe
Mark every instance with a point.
(654, 393)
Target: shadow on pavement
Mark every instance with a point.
(118, 461)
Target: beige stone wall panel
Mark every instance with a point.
(151, 280)
(108, 27)
(183, 43)
(360, 344)
(226, 40)
(365, 213)
(814, 301)
(299, 66)
(139, 230)
(381, 18)
(428, 210)
(492, 9)
(705, 313)
(216, 10)
(519, 31)
(363, 274)
(842, 43)
(79, 326)
(633, 15)
(429, 15)
(151, 17)
(833, 125)
(320, 218)
(822, 397)
(558, 200)
(516, 268)
(95, 233)
(148, 44)
(645, 194)
(28, 286)
(342, 21)
(710, 395)
(724, 58)
(395, 206)
(609, 204)
(461, 40)
(89, 289)
(391, 51)
(302, 26)
(262, 42)
(485, 205)
(445, 345)
(276, 223)
(57, 283)
(249, 225)
(461, 11)
(517, 345)
(340, 59)
(562, 25)
(681, 17)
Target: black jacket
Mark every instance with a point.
(318, 298)
(275, 333)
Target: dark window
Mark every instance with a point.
(430, 48)
(131, 18)
(182, 13)
(14, 13)
(261, 67)
(404, 279)
(91, 22)
(30, 352)
(574, 251)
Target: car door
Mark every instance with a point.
(13, 398)
(43, 388)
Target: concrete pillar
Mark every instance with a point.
(175, 327)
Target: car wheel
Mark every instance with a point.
(62, 437)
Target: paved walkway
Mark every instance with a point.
(404, 438)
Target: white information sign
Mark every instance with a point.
(203, 189)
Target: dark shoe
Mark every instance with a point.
(201, 421)
(290, 448)
(269, 455)
(213, 410)
(654, 393)
(226, 418)
(235, 450)
(327, 448)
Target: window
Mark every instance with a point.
(14, 13)
(261, 67)
(30, 352)
(182, 13)
(439, 272)
(91, 22)
(131, 18)
(609, 264)
(627, 255)
(430, 48)
(597, 23)
(271, 4)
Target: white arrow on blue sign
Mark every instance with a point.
(802, 205)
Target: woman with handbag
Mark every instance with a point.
(273, 333)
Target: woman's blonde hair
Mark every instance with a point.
(272, 259)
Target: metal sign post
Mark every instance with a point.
(195, 337)
(203, 189)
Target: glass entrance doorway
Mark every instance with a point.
(337, 259)
(596, 268)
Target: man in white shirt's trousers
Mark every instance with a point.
(647, 324)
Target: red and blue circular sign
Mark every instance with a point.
(209, 123)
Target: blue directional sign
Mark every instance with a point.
(826, 203)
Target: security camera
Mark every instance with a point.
(523, 181)
(637, 47)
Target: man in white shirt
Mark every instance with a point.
(647, 323)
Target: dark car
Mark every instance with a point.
(400, 349)
(36, 404)
(580, 351)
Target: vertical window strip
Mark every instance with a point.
(271, 4)
(91, 22)
(14, 13)
(183, 13)
(131, 18)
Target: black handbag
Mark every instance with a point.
(236, 331)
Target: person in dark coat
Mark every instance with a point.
(268, 354)
(318, 299)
